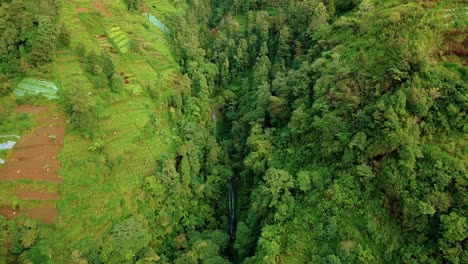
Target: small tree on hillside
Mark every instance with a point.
(133, 5)
(64, 36)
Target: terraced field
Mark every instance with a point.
(70, 18)
(69, 71)
(119, 39)
(29, 179)
(101, 185)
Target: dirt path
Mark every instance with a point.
(35, 157)
(82, 10)
(99, 5)
(26, 195)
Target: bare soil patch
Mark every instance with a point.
(455, 45)
(45, 214)
(145, 9)
(35, 157)
(101, 37)
(27, 195)
(82, 10)
(35, 154)
(99, 5)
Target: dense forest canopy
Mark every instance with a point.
(339, 125)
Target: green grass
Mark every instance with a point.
(79, 33)
(452, 13)
(94, 194)
(69, 71)
(13, 123)
(10, 187)
(100, 189)
(119, 39)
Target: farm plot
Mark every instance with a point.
(99, 5)
(71, 20)
(98, 192)
(119, 39)
(29, 180)
(92, 22)
(131, 84)
(105, 45)
(69, 71)
(89, 188)
(35, 153)
(65, 55)
(101, 187)
(455, 16)
(134, 152)
(144, 70)
(30, 86)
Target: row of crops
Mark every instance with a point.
(455, 16)
(30, 86)
(119, 39)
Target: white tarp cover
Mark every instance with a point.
(7, 145)
(34, 86)
(157, 22)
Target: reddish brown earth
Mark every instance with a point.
(35, 154)
(82, 10)
(46, 214)
(101, 37)
(145, 9)
(455, 44)
(99, 5)
(26, 195)
(35, 157)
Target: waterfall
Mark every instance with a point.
(232, 193)
(232, 212)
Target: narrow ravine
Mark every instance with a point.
(232, 211)
(231, 187)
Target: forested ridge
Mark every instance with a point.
(345, 125)
(339, 127)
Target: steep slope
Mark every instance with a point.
(129, 153)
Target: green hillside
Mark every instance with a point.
(170, 131)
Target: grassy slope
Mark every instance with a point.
(21, 124)
(97, 192)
